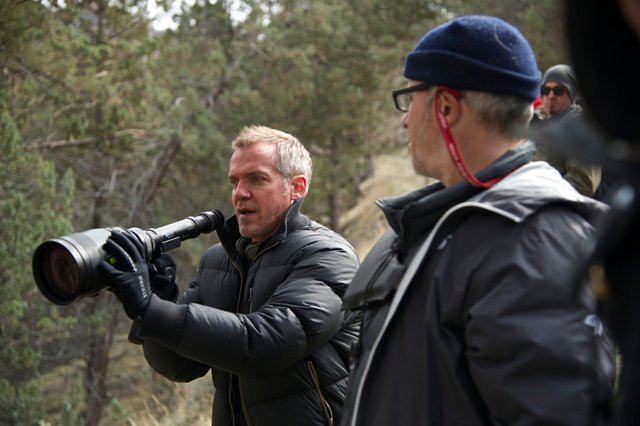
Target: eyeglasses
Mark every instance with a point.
(401, 97)
(557, 90)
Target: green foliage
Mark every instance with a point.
(309, 73)
(104, 123)
(544, 26)
(72, 405)
(20, 405)
(34, 204)
(541, 21)
(119, 413)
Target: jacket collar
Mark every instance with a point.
(572, 111)
(229, 232)
(521, 193)
(413, 214)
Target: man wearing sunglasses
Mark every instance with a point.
(469, 312)
(559, 92)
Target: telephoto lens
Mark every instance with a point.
(66, 268)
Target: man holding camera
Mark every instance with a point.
(263, 310)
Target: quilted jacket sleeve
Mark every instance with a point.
(301, 314)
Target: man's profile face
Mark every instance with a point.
(260, 194)
(427, 150)
(423, 131)
(551, 102)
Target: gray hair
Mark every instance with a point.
(504, 114)
(291, 158)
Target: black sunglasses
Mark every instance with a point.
(558, 90)
(401, 97)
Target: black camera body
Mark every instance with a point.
(66, 268)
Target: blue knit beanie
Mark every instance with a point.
(480, 53)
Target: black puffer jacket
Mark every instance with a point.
(271, 331)
(470, 313)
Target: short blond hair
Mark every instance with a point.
(291, 157)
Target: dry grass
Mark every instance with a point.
(137, 395)
(144, 398)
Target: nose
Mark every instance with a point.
(405, 119)
(241, 191)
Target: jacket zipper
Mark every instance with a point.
(324, 404)
(250, 299)
(230, 398)
(245, 410)
(243, 404)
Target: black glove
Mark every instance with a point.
(128, 272)
(162, 274)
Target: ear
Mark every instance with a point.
(298, 187)
(450, 106)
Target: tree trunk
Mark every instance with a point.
(95, 381)
(160, 170)
(334, 192)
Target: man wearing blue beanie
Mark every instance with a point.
(470, 315)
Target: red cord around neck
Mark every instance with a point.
(452, 147)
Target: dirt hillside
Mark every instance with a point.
(392, 174)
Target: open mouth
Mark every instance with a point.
(245, 212)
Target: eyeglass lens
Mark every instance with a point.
(557, 90)
(404, 101)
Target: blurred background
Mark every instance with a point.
(121, 113)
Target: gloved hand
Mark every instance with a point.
(162, 274)
(128, 272)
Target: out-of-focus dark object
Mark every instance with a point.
(605, 51)
(66, 268)
(604, 42)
